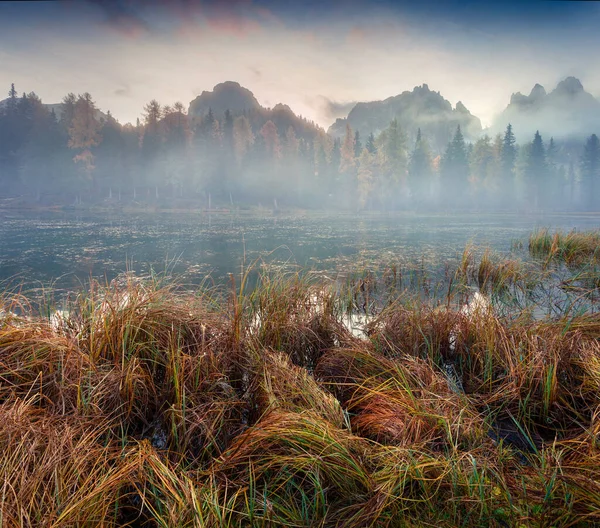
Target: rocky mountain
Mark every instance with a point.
(567, 113)
(239, 100)
(228, 95)
(422, 108)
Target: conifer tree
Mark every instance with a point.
(357, 145)
(536, 170)
(420, 170)
(590, 171)
(454, 171)
(371, 146)
(508, 154)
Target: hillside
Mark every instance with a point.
(421, 108)
(567, 113)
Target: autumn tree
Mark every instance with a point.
(152, 145)
(273, 184)
(243, 138)
(84, 134)
(347, 161)
(365, 178)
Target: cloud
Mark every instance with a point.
(134, 18)
(257, 73)
(329, 109)
(122, 16)
(124, 91)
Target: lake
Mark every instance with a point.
(66, 249)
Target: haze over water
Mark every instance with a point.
(68, 249)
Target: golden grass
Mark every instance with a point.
(144, 406)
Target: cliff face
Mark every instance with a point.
(567, 112)
(421, 108)
(224, 96)
(239, 100)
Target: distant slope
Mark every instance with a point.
(422, 108)
(566, 113)
(238, 100)
(228, 95)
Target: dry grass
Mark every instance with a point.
(145, 406)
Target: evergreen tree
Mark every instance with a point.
(370, 146)
(393, 163)
(571, 178)
(454, 171)
(482, 166)
(420, 171)
(11, 140)
(357, 145)
(536, 170)
(508, 154)
(590, 171)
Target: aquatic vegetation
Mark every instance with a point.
(466, 401)
(573, 248)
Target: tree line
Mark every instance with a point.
(72, 153)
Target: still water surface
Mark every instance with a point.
(66, 249)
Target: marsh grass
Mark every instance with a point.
(146, 404)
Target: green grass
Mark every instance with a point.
(147, 405)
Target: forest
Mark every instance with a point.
(72, 154)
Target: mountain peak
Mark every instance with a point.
(420, 108)
(571, 86)
(537, 92)
(228, 95)
(568, 111)
(460, 107)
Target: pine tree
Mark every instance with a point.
(571, 178)
(357, 145)
(454, 170)
(482, 165)
(371, 146)
(420, 170)
(508, 154)
(590, 170)
(536, 170)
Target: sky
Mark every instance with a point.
(318, 57)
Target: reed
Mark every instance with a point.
(145, 404)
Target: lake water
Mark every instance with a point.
(67, 249)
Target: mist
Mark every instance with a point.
(329, 106)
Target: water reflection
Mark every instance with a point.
(69, 248)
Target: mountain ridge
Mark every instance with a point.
(420, 108)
